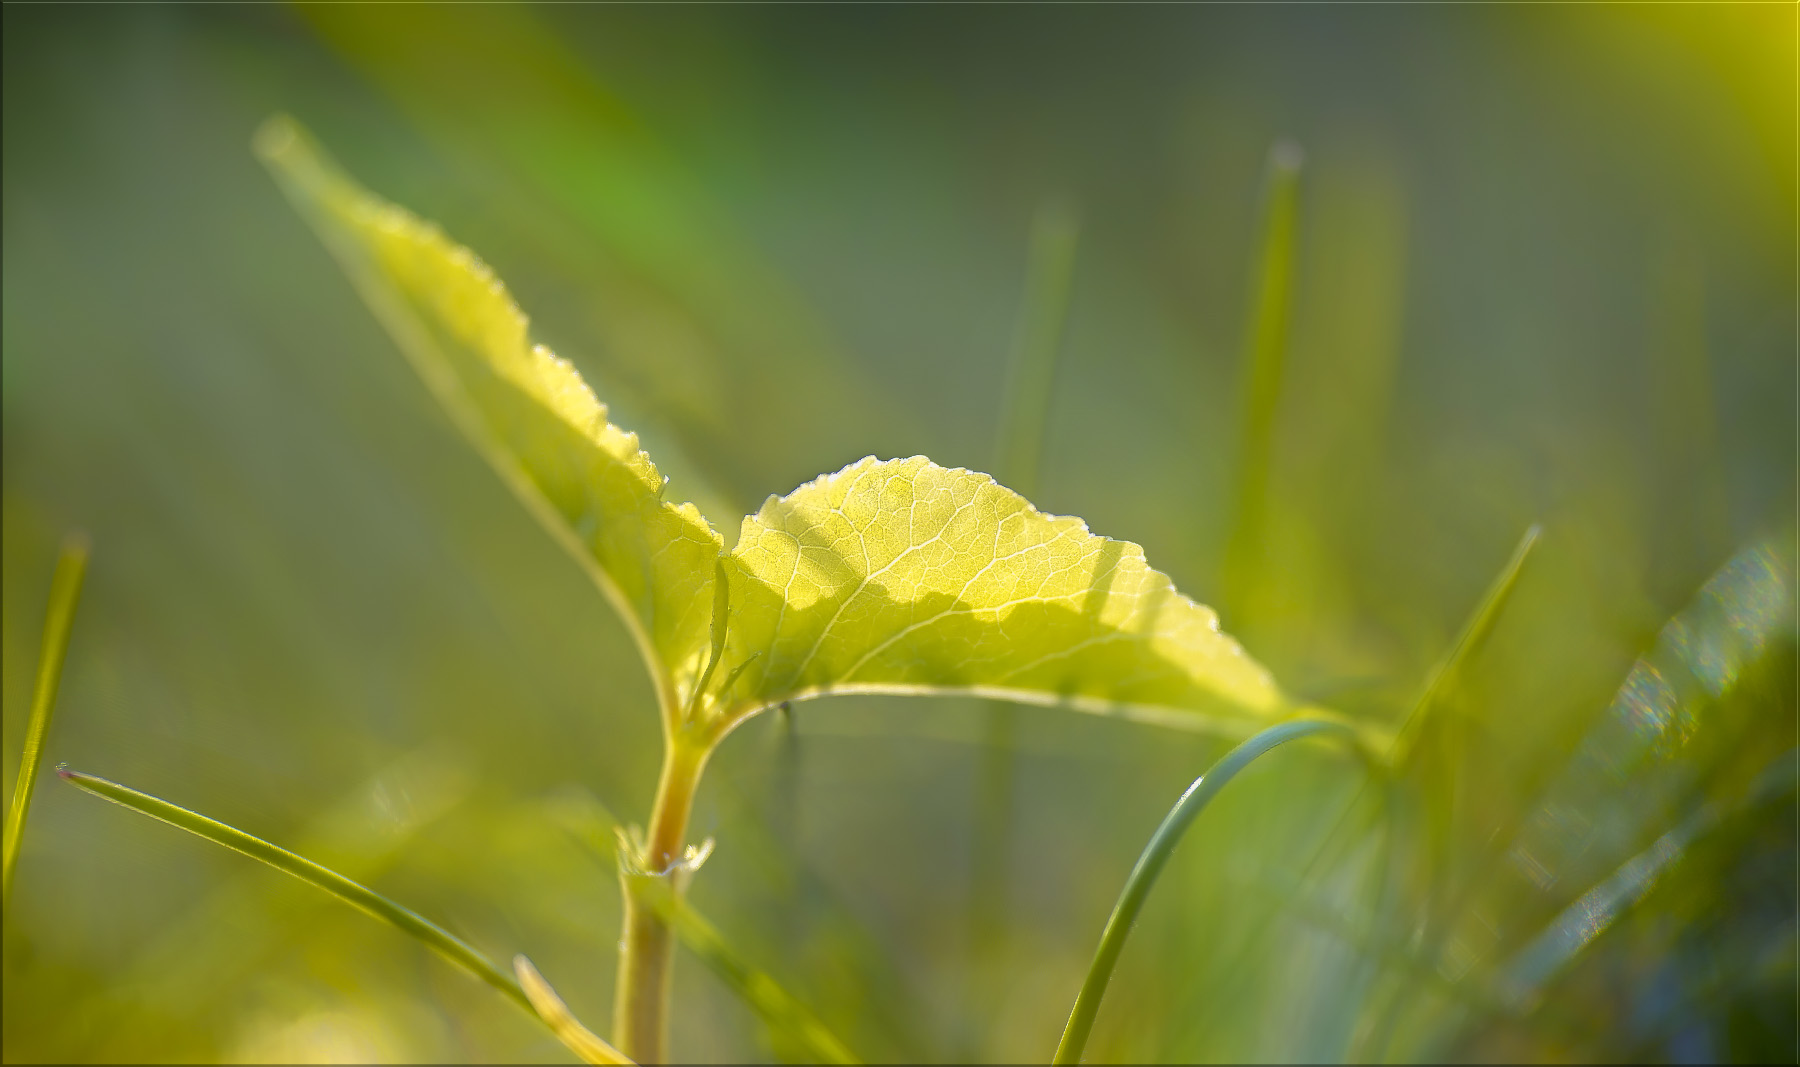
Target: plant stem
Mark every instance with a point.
(641, 1000)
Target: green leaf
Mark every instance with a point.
(896, 577)
(904, 577)
(531, 414)
(1444, 676)
(1264, 366)
(65, 590)
(1031, 371)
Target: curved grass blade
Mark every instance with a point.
(358, 896)
(1474, 633)
(65, 590)
(550, 1008)
(1150, 864)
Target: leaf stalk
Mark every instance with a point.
(648, 869)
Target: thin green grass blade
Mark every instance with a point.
(1018, 459)
(784, 1014)
(1264, 361)
(65, 590)
(1031, 373)
(1155, 856)
(358, 896)
(1474, 633)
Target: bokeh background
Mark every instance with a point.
(1545, 272)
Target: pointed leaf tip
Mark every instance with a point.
(525, 408)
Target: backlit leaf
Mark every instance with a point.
(895, 577)
(527, 410)
(904, 577)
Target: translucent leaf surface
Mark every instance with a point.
(527, 410)
(895, 577)
(900, 576)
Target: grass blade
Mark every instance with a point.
(1031, 373)
(550, 1008)
(1474, 632)
(784, 1014)
(358, 896)
(1150, 864)
(1522, 981)
(1018, 459)
(590, 822)
(65, 590)
(1264, 360)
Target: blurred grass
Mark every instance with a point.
(1545, 274)
(65, 593)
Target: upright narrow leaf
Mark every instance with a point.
(528, 411)
(1264, 361)
(904, 577)
(1475, 629)
(1031, 372)
(65, 589)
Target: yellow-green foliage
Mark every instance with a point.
(904, 577)
(890, 577)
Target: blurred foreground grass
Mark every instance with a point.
(1543, 272)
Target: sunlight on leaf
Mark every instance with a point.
(527, 410)
(896, 577)
(904, 577)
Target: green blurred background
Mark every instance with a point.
(1546, 273)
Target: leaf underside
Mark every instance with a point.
(886, 577)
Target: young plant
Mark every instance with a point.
(896, 576)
